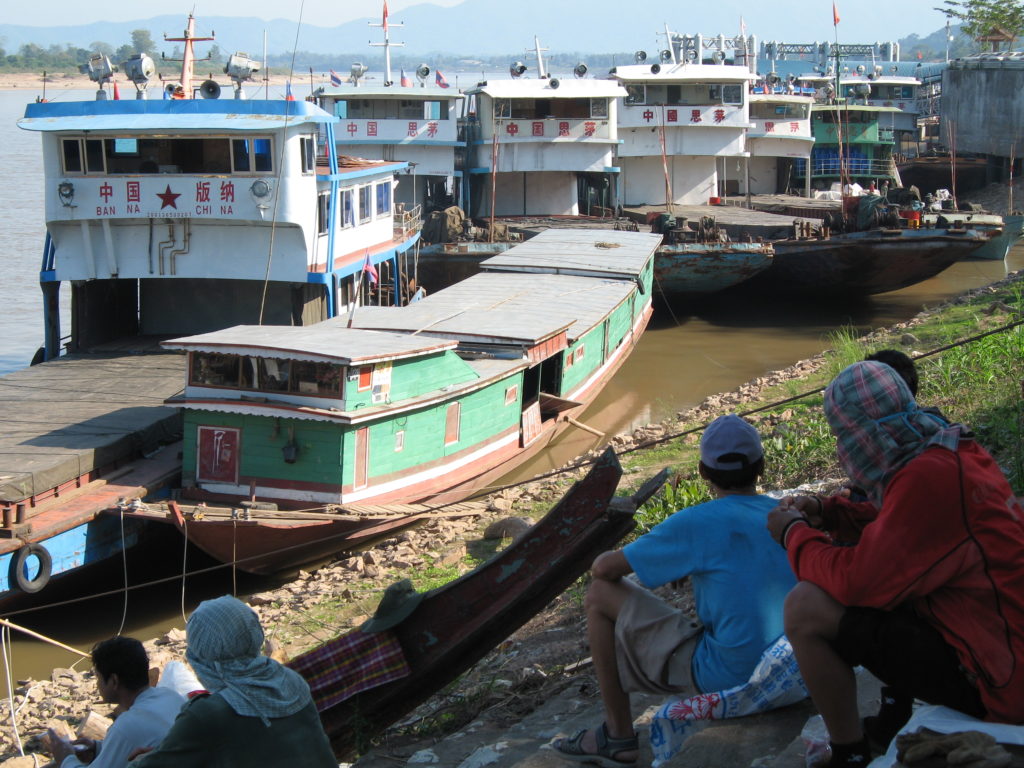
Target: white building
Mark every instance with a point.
(780, 134)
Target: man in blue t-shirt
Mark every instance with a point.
(740, 579)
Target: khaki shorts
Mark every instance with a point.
(654, 645)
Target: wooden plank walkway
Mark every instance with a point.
(65, 422)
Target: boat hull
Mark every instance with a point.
(688, 270)
(863, 263)
(997, 248)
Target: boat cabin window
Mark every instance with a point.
(384, 198)
(348, 214)
(365, 203)
(636, 94)
(391, 109)
(322, 212)
(766, 110)
(264, 374)
(307, 146)
(538, 109)
(452, 419)
(167, 154)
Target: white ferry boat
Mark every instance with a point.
(184, 215)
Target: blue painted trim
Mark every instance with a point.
(478, 170)
(333, 204)
(179, 107)
(319, 278)
(48, 276)
(362, 173)
(611, 169)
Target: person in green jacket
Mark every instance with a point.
(256, 711)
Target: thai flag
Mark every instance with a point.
(439, 79)
(369, 269)
(288, 95)
(406, 81)
(335, 78)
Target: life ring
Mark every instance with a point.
(42, 577)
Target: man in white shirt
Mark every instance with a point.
(146, 714)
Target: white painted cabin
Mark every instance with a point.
(416, 124)
(780, 134)
(696, 116)
(543, 144)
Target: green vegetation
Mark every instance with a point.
(978, 384)
(983, 18)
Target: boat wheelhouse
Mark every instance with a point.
(426, 401)
(417, 125)
(682, 127)
(543, 146)
(852, 143)
(781, 135)
(888, 89)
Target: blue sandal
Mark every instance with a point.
(607, 748)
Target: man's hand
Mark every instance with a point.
(85, 749)
(809, 506)
(782, 518)
(59, 746)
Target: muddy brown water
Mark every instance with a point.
(680, 360)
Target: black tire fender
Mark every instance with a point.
(17, 574)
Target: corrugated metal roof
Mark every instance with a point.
(509, 307)
(683, 73)
(568, 88)
(599, 252)
(171, 114)
(323, 342)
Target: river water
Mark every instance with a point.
(678, 362)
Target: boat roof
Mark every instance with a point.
(685, 72)
(408, 93)
(323, 342)
(588, 252)
(502, 308)
(791, 98)
(171, 114)
(567, 88)
(879, 80)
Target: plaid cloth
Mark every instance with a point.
(878, 425)
(775, 682)
(349, 664)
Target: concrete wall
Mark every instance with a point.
(985, 102)
(694, 179)
(763, 176)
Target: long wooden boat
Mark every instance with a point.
(864, 263)
(454, 626)
(399, 405)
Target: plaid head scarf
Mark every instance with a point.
(878, 425)
(225, 644)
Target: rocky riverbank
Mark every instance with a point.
(546, 657)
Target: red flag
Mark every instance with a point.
(117, 92)
(385, 22)
(835, 14)
(406, 81)
(369, 269)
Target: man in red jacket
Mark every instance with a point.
(930, 597)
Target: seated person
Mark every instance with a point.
(930, 597)
(640, 643)
(122, 678)
(257, 712)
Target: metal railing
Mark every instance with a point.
(407, 222)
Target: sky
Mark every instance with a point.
(860, 19)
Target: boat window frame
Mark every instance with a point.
(347, 220)
(307, 153)
(452, 423)
(365, 205)
(382, 196)
(328, 372)
(86, 140)
(323, 212)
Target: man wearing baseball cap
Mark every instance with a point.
(640, 643)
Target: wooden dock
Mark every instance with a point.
(741, 224)
(70, 421)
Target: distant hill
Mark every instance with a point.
(472, 29)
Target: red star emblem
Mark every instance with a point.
(169, 198)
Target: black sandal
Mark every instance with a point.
(607, 748)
